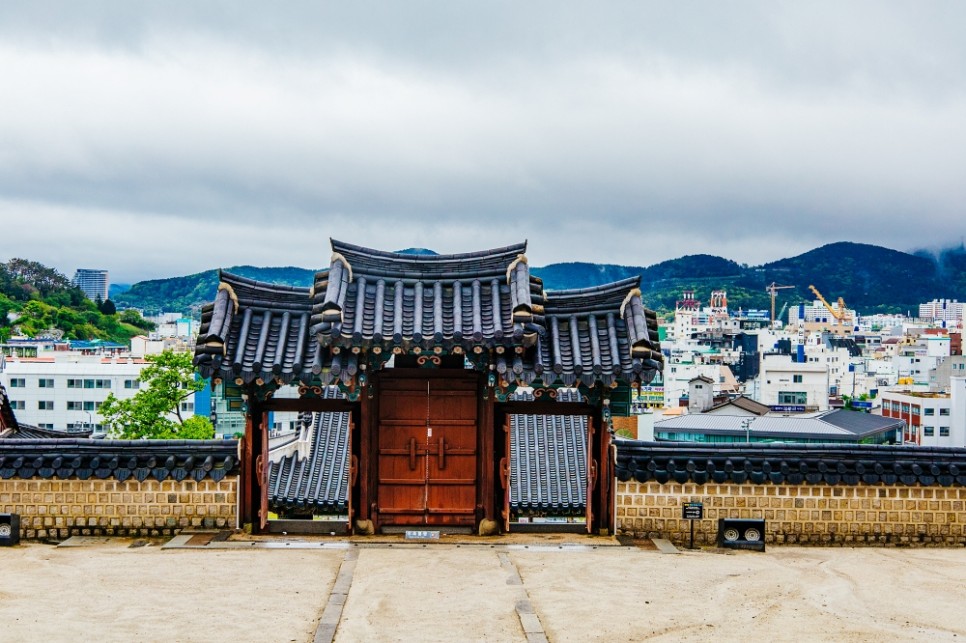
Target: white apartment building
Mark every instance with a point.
(65, 394)
(94, 283)
(947, 310)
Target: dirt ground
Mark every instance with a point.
(110, 591)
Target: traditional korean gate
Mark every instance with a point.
(427, 437)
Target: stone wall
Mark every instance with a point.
(66, 487)
(806, 514)
(62, 508)
(808, 493)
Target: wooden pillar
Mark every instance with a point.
(487, 431)
(255, 487)
(367, 423)
(597, 498)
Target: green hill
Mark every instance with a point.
(187, 294)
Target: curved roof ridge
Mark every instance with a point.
(343, 247)
(610, 295)
(622, 285)
(237, 280)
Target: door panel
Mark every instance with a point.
(427, 451)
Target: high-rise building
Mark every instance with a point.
(941, 309)
(94, 283)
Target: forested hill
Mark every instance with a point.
(37, 301)
(869, 278)
(189, 293)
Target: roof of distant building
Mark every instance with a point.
(835, 425)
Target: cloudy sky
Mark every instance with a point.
(160, 139)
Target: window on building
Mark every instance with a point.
(928, 431)
(944, 412)
(944, 431)
(790, 397)
(929, 411)
(132, 383)
(72, 383)
(45, 382)
(18, 382)
(73, 405)
(187, 407)
(88, 383)
(46, 425)
(102, 383)
(905, 408)
(45, 405)
(90, 406)
(18, 405)
(915, 409)
(797, 379)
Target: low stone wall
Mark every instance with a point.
(809, 494)
(112, 488)
(61, 508)
(806, 514)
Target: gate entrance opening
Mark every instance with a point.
(428, 437)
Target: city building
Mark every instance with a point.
(66, 395)
(931, 418)
(94, 283)
(942, 310)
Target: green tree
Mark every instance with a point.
(155, 411)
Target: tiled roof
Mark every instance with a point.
(28, 432)
(321, 480)
(684, 462)
(548, 461)
(371, 303)
(839, 425)
(118, 459)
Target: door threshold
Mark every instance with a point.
(442, 529)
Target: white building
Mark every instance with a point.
(94, 283)
(942, 310)
(785, 383)
(65, 391)
(65, 394)
(932, 419)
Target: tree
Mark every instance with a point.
(155, 411)
(107, 307)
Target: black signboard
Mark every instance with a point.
(692, 511)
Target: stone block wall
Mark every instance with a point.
(55, 508)
(818, 514)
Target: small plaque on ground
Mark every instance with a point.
(421, 534)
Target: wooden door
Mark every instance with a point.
(428, 439)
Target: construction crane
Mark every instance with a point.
(841, 314)
(773, 289)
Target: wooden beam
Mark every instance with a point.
(309, 404)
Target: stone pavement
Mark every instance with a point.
(507, 590)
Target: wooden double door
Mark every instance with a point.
(428, 447)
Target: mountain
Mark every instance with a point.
(869, 278)
(189, 293)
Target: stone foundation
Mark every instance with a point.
(806, 514)
(61, 508)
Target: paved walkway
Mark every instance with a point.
(304, 590)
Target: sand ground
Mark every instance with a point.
(110, 591)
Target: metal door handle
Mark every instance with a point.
(442, 454)
(412, 454)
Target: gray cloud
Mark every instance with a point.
(156, 140)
